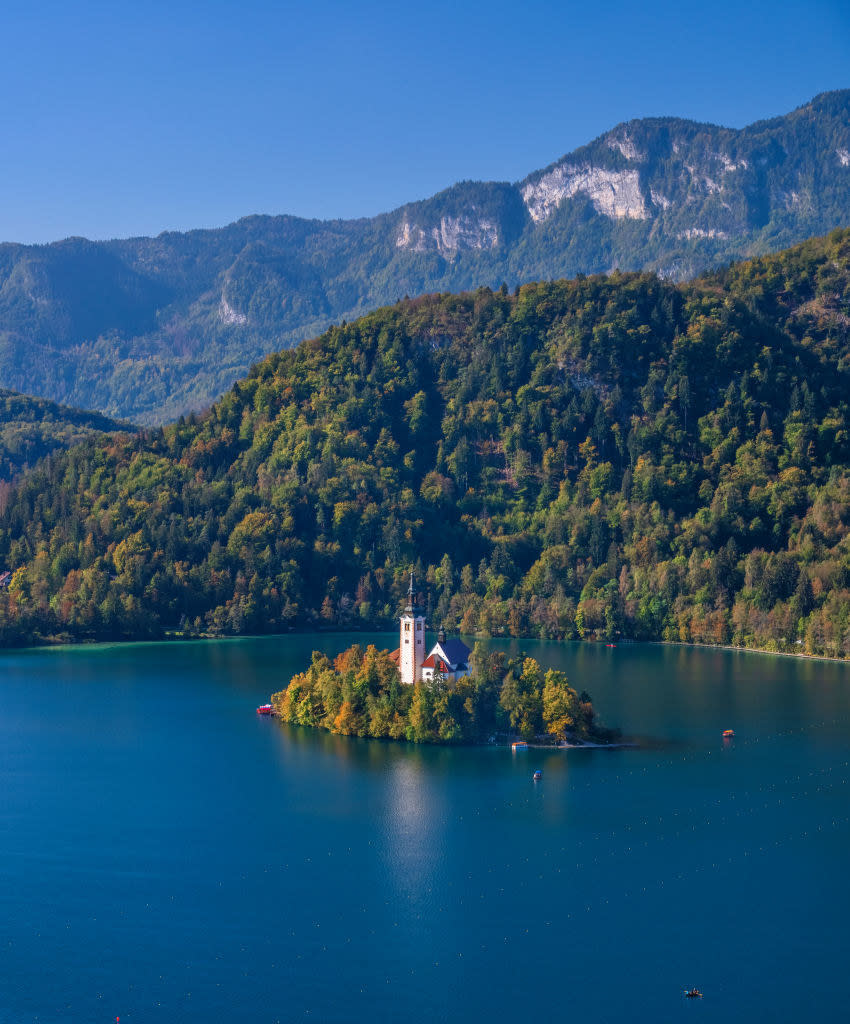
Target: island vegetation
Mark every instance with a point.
(360, 693)
(614, 456)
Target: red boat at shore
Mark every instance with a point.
(265, 709)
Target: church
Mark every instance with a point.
(447, 658)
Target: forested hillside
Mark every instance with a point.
(148, 328)
(31, 428)
(607, 457)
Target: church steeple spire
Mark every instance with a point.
(412, 608)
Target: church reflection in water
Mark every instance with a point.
(414, 823)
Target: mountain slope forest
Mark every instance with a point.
(613, 456)
(31, 428)
(149, 328)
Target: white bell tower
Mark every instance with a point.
(411, 641)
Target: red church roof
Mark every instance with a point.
(438, 664)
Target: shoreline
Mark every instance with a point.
(742, 650)
(170, 638)
(576, 746)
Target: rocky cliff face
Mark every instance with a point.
(148, 328)
(452, 233)
(613, 193)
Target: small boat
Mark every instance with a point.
(538, 775)
(728, 734)
(693, 993)
(610, 645)
(519, 745)
(265, 709)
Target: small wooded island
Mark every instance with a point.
(446, 697)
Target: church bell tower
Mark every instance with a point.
(411, 641)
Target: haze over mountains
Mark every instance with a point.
(147, 328)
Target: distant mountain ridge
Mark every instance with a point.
(147, 328)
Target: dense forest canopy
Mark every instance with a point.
(613, 456)
(31, 428)
(149, 328)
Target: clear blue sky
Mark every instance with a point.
(120, 119)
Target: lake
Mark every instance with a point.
(168, 855)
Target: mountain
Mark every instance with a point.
(611, 456)
(31, 428)
(148, 328)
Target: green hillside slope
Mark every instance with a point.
(31, 428)
(148, 328)
(609, 456)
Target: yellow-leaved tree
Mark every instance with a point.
(560, 704)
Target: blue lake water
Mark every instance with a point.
(168, 855)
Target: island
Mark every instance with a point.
(451, 695)
(360, 693)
